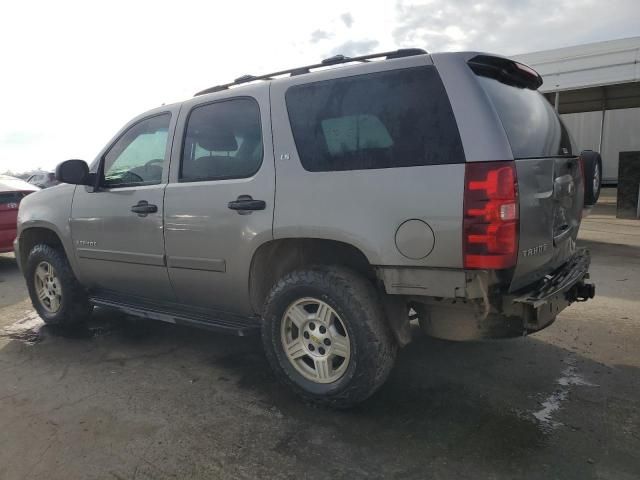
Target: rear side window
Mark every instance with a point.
(223, 140)
(530, 122)
(399, 118)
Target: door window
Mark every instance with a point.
(222, 140)
(137, 157)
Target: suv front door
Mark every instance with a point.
(219, 202)
(117, 229)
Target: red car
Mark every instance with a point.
(12, 191)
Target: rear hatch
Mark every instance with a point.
(549, 175)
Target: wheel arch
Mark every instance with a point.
(32, 235)
(274, 259)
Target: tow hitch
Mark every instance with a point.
(581, 292)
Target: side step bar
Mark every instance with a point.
(229, 324)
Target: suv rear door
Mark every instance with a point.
(219, 202)
(117, 230)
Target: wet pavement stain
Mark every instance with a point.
(26, 330)
(32, 329)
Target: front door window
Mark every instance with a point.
(137, 157)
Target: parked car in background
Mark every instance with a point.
(43, 179)
(12, 191)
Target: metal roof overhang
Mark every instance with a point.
(591, 77)
(609, 97)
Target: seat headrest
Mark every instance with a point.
(219, 140)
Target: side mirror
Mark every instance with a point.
(75, 172)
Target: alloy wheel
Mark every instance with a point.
(48, 287)
(315, 340)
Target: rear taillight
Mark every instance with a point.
(490, 238)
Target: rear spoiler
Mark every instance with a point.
(506, 71)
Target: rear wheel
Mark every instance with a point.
(55, 292)
(325, 335)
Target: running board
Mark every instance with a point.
(215, 321)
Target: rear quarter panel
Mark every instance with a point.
(481, 131)
(364, 208)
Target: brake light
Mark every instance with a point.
(490, 230)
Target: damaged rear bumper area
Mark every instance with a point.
(500, 315)
(555, 292)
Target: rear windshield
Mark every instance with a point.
(397, 118)
(532, 125)
(11, 197)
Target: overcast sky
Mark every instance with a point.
(73, 72)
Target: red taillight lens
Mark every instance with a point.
(490, 215)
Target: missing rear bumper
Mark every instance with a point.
(542, 303)
(503, 316)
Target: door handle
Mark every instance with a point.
(143, 208)
(245, 203)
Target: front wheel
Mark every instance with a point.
(325, 335)
(55, 293)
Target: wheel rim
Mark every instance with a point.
(315, 340)
(596, 178)
(48, 287)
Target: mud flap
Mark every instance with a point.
(397, 313)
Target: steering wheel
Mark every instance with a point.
(153, 162)
(134, 177)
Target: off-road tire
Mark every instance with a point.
(74, 306)
(592, 167)
(355, 300)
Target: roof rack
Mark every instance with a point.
(335, 60)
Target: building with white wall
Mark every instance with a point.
(596, 89)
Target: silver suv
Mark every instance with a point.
(326, 207)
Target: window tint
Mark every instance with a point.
(531, 123)
(399, 118)
(222, 140)
(137, 157)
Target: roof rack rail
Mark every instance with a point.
(335, 60)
